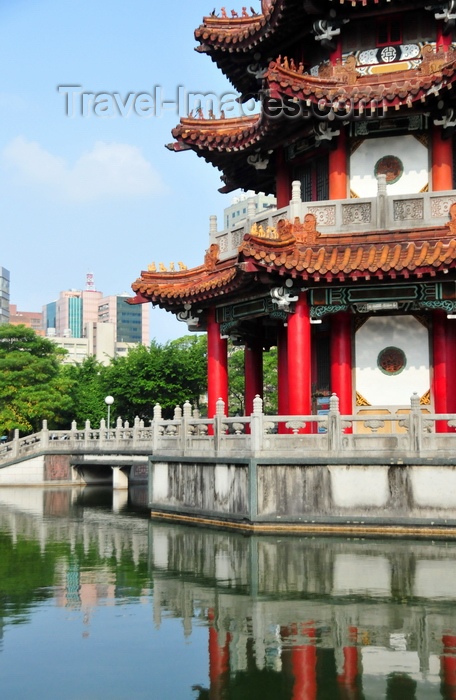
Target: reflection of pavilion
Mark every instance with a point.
(302, 619)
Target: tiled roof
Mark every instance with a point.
(300, 251)
(342, 85)
(220, 134)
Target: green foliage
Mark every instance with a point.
(167, 374)
(32, 387)
(88, 381)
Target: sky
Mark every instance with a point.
(86, 183)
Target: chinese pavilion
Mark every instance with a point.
(353, 277)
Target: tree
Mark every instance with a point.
(167, 374)
(32, 386)
(88, 381)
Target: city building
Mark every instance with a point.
(131, 323)
(85, 323)
(31, 319)
(246, 203)
(4, 295)
(353, 277)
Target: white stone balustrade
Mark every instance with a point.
(410, 434)
(383, 212)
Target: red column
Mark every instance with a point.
(440, 365)
(217, 366)
(282, 370)
(448, 666)
(442, 39)
(336, 55)
(253, 373)
(283, 186)
(282, 375)
(299, 359)
(442, 161)
(338, 168)
(341, 360)
(451, 365)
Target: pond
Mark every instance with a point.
(98, 602)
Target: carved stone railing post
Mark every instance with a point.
(15, 447)
(186, 418)
(382, 202)
(256, 424)
(136, 429)
(118, 429)
(156, 427)
(334, 425)
(86, 433)
(74, 430)
(296, 200)
(219, 428)
(103, 436)
(415, 425)
(44, 435)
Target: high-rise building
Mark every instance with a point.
(86, 323)
(131, 323)
(4, 295)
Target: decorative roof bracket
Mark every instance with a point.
(445, 11)
(193, 322)
(283, 298)
(257, 161)
(325, 31)
(447, 121)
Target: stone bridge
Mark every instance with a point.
(89, 456)
(99, 455)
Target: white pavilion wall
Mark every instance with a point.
(412, 153)
(405, 333)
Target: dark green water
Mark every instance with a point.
(99, 603)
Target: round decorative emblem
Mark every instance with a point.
(391, 360)
(391, 166)
(388, 54)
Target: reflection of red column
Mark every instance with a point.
(348, 679)
(338, 168)
(448, 666)
(440, 364)
(299, 359)
(442, 161)
(283, 188)
(219, 660)
(304, 668)
(253, 373)
(282, 374)
(217, 366)
(341, 361)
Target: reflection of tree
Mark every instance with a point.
(29, 572)
(26, 575)
(399, 686)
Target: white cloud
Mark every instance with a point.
(108, 170)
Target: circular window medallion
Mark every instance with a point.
(391, 360)
(391, 166)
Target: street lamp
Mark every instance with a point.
(109, 400)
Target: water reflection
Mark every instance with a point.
(259, 617)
